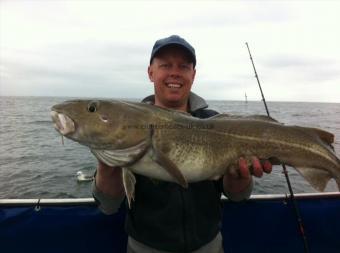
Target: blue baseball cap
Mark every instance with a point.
(173, 40)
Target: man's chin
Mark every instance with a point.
(175, 103)
(175, 99)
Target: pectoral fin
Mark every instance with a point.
(170, 167)
(129, 182)
(123, 157)
(317, 178)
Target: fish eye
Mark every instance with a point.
(92, 107)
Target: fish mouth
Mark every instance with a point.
(62, 123)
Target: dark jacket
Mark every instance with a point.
(168, 217)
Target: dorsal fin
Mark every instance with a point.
(221, 116)
(249, 117)
(324, 135)
(262, 118)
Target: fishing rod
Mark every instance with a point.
(258, 81)
(292, 196)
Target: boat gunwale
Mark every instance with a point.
(91, 201)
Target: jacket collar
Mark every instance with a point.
(195, 102)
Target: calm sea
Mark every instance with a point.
(35, 164)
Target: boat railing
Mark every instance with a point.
(91, 201)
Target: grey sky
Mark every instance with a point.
(102, 48)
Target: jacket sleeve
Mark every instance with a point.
(106, 203)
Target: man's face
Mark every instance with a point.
(172, 75)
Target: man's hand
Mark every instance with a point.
(109, 180)
(239, 180)
(256, 168)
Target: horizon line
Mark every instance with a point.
(140, 98)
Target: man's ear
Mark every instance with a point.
(193, 75)
(150, 73)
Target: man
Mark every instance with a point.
(165, 217)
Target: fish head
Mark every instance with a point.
(98, 124)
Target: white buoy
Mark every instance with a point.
(81, 177)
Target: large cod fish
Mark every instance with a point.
(173, 146)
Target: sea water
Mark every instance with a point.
(35, 164)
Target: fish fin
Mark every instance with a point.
(122, 157)
(323, 135)
(251, 117)
(221, 116)
(326, 137)
(262, 118)
(170, 167)
(317, 178)
(129, 182)
(108, 157)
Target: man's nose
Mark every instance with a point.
(175, 71)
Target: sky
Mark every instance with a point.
(87, 48)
